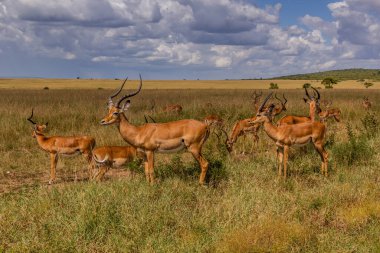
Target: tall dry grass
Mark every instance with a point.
(244, 207)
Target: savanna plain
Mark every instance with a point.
(244, 207)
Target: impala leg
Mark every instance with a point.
(203, 163)
(100, 174)
(280, 156)
(53, 165)
(324, 157)
(88, 157)
(286, 154)
(149, 166)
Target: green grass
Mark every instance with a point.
(243, 208)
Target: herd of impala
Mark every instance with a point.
(147, 139)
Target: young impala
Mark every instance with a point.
(107, 157)
(62, 145)
(288, 135)
(158, 137)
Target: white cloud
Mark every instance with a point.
(228, 38)
(223, 62)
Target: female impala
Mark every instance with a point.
(158, 137)
(107, 157)
(62, 145)
(314, 106)
(243, 127)
(289, 135)
(330, 113)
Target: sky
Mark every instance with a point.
(186, 39)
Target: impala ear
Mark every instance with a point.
(304, 99)
(126, 105)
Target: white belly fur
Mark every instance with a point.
(171, 146)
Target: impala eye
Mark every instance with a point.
(115, 113)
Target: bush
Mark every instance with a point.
(367, 84)
(46, 88)
(370, 124)
(306, 85)
(273, 86)
(355, 151)
(329, 82)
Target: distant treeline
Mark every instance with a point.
(343, 74)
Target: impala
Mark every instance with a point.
(366, 103)
(213, 120)
(158, 137)
(329, 112)
(314, 106)
(172, 109)
(107, 157)
(289, 135)
(62, 145)
(243, 127)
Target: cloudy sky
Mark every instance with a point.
(177, 39)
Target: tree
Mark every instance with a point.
(273, 86)
(367, 84)
(306, 85)
(328, 82)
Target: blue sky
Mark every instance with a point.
(186, 39)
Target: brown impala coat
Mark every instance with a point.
(290, 135)
(107, 157)
(63, 145)
(158, 137)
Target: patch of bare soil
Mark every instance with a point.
(16, 181)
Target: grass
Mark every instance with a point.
(47, 84)
(243, 208)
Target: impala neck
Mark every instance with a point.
(312, 109)
(270, 129)
(127, 130)
(42, 141)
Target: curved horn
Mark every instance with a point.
(283, 95)
(30, 119)
(265, 101)
(275, 95)
(307, 94)
(117, 92)
(130, 95)
(319, 95)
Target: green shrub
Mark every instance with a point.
(368, 84)
(273, 86)
(306, 85)
(370, 124)
(355, 151)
